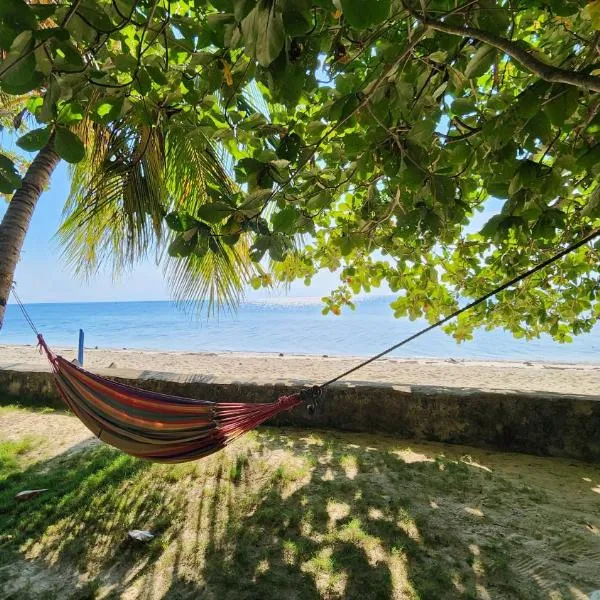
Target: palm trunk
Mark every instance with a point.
(18, 215)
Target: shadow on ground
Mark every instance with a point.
(297, 514)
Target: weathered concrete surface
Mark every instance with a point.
(526, 422)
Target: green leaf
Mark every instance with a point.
(108, 110)
(51, 32)
(180, 221)
(297, 17)
(143, 83)
(362, 14)
(68, 145)
(20, 75)
(261, 244)
(481, 61)
(284, 220)
(94, 14)
(525, 176)
(125, 62)
(70, 113)
(254, 202)
(264, 32)
(289, 147)
(18, 13)
(182, 246)
(539, 126)
(491, 227)
(492, 17)
(442, 189)
(215, 212)
(51, 97)
(592, 12)
(43, 11)
(157, 75)
(34, 140)
(463, 106)
(71, 59)
(9, 176)
(422, 132)
(591, 208)
(497, 189)
(563, 105)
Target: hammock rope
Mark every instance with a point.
(165, 428)
(497, 290)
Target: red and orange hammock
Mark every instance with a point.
(155, 426)
(165, 428)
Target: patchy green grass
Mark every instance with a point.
(12, 455)
(298, 514)
(11, 407)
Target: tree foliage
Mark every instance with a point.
(360, 137)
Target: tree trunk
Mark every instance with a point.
(18, 215)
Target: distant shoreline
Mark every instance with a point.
(294, 326)
(529, 376)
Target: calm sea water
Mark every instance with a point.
(292, 326)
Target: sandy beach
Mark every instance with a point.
(583, 379)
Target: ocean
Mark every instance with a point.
(290, 326)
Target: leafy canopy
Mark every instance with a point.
(360, 137)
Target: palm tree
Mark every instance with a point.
(17, 218)
(135, 174)
(144, 161)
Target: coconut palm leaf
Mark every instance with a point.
(116, 205)
(196, 168)
(133, 176)
(12, 110)
(213, 281)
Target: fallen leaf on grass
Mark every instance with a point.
(27, 494)
(140, 536)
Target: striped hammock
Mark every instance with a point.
(155, 426)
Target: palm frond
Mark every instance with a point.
(212, 282)
(12, 109)
(132, 176)
(193, 163)
(218, 278)
(118, 198)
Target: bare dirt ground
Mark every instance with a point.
(294, 514)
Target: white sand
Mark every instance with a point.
(557, 378)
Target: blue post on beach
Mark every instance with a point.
(80, 353)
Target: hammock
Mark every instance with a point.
(155, 426)
(164, 428)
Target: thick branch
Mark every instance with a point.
(542, 69)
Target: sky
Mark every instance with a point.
(43, 275)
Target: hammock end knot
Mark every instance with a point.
(43, 347)
(311, 396)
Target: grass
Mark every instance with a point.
(297, 514)
(8, 408)
(12, 453)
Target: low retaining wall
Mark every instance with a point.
(537, 423)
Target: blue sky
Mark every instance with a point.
(43, 276)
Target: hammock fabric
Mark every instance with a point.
(155, 426)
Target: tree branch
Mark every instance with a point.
(542, 69)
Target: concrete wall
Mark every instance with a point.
(535, 423)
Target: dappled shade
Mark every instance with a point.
(299, 514)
